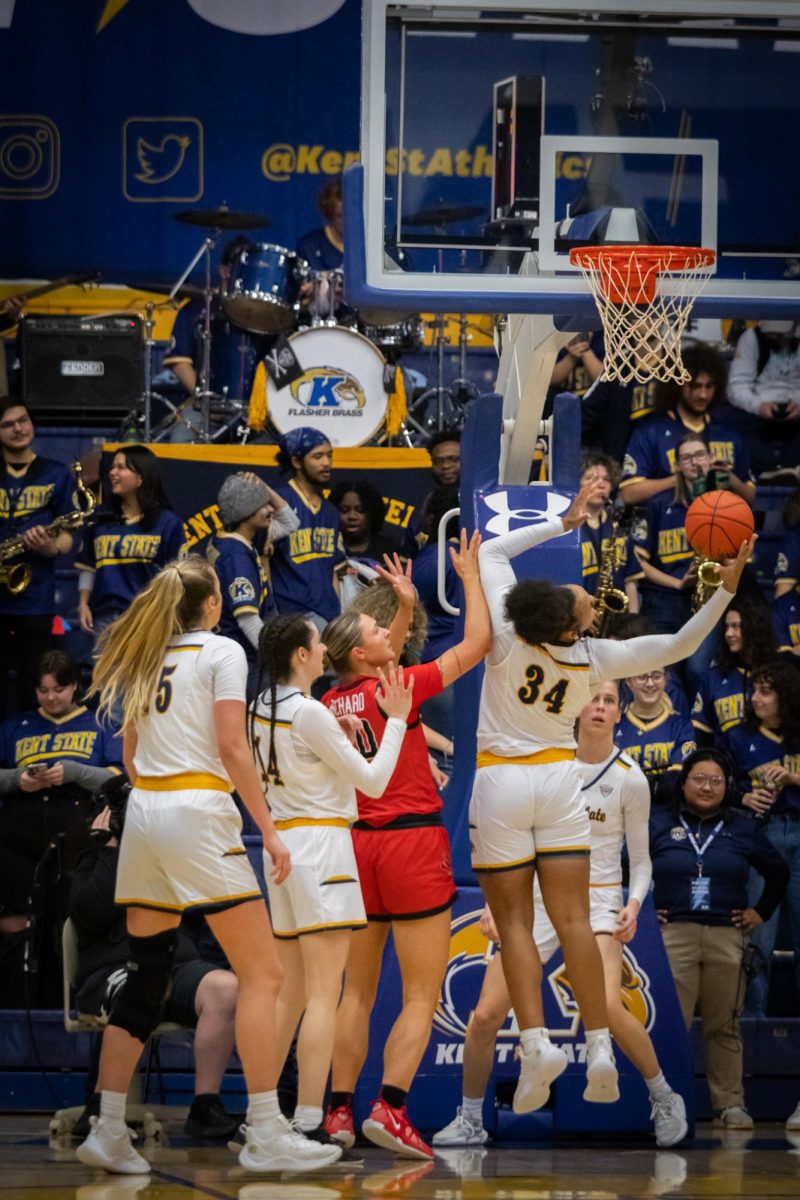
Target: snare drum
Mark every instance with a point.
(341, 391)
(396, 339)
(262, 292)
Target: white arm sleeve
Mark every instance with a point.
(251, 626)
(497, 574)
(319, 730)
(85, 580)
(284, 522)
(615, 660)
(636, 817)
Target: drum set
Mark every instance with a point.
(270, 303)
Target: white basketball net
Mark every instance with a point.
(644, 295)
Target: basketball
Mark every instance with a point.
(717, 523)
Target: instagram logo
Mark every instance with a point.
(30, 157)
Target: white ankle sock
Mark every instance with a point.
(112, 1110)
(530, 1038)
(262, 1109)
(306, 1117)
(595, 1035)
(473, 1109)
(658, 1087)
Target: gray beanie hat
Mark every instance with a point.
(239, 498)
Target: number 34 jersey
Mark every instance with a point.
(178, 737)
(532, 697)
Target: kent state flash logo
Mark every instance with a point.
(470, 954)
(328, 387)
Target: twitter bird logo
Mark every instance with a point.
(162, 159)
(160, 162)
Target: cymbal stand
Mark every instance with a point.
(147, 395)
(202, 392)
(444, 409)
(462, 389)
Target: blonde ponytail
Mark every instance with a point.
(132, 648)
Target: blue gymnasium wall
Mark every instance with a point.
(259, 113)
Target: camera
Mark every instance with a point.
(113, 795)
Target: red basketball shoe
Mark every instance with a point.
(338, 1124)
(390, 1127)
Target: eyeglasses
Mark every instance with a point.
(694, 456)
(655, 676)
(447, 460)
(713, 781)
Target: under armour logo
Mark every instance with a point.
(502, 522)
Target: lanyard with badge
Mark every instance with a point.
(700, 886)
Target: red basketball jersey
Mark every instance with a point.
(411, 788)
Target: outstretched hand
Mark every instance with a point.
(730, 573)
(399, 576)
(393, 694)
(591, 492)
(465, 558)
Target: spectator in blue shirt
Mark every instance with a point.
(766, 750)
(649, 466)
(702, 848)
(34, 492)
(132, 539)
(304, 562)
(747, 642)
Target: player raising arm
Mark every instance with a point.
(526, 811)
(185, 748)
(403, 857)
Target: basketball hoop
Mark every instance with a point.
(643, 317)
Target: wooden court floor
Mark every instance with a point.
(715, 1164)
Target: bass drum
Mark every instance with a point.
(340, 389)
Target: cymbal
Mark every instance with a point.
(444, 214)
(222, 218)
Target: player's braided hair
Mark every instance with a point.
(277, 642)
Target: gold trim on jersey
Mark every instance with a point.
(278, 724)
(163, 906)
(569, 666)
(181, 649)
(487, 759)
(182, 781)
(564, 850)
(602, 885)
(70, 716)
(296, 822)
(286, 937)
(527, 861)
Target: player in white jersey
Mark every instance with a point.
(312, 772)
(185, 748)
(526, 811)
(616, 797)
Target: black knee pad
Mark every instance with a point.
(140, 1002)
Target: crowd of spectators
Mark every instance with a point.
(306, 546)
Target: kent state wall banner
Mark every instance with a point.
(193, 476)
(118, 114)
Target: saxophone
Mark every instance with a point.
(17, 576)
(708, 581)
(609, 601)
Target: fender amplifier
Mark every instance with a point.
(73, 367)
